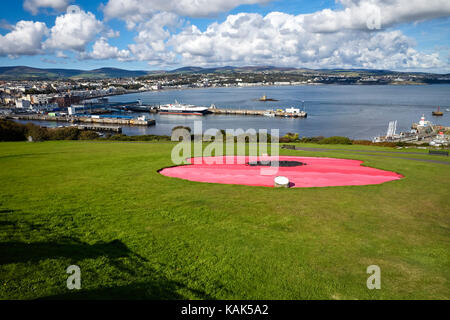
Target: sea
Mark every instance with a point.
(354, 111)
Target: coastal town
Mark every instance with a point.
(85, 101)
(47, 94)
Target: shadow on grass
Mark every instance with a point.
(155, 289)
(152, 285)
(6, 211)
(7, 223)
(20, 252)
(17, 251)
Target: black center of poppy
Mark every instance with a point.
(276, 164)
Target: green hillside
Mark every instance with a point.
(139, 235)
(28, 73)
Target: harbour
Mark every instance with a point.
(357, 112)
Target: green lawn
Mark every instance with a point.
(138, 234)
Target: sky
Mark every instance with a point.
(403, 35)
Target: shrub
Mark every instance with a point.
(119, 137)
(290, 137)
(363, 142)
(12, 131)
(311, 139)
(182, 127)
(285, 140)
(69, 133)
(335, 140)
(36, 132)
(150, 137)
(88, 135)
(383, 144)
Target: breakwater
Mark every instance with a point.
(243, 112)
(102, 120)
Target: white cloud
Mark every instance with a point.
(112, 34)
(134, 11)
(375, 14)
(355, 36)
(284, 40)
(102, 50)
(60, 54)
(151, 42)
(33, 6)
(24, 39)
(73, 30)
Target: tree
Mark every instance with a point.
(11, 131)
(88, 135)
(36, 132)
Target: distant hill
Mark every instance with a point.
(259, 69)
(112, 73)
(188, 70)
(229, 69)
(28, 73)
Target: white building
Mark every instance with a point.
(76, 109)
(23, 104)
(40, 99)
(423, 123)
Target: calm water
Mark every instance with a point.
(359, 112)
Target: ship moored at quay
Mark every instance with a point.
(182, 109)
(178, 108)
(189, 109)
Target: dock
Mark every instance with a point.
(102, 120)
(244, 112)
(422, 132)
(434, 127)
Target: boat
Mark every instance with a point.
(269, 113)
(295, 112)
(440, 140)
(438, 113)
(264, 98)
(448, 110)
(183, 109)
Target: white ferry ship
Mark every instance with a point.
(183, 109)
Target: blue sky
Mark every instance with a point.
(156, 34)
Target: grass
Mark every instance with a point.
(137, 234)
(349, 150)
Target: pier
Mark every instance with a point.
(100, 120)
(244, 112)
